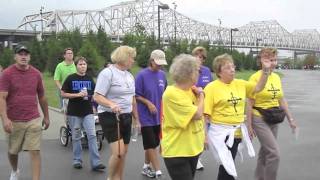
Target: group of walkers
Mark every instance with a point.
(179, 120)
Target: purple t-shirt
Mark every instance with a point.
(23, 87)
(205, 77)
(150, 85)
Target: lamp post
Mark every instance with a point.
(219, 32)
(160, 6)
(232, 29)
(257, 44)
(41, 9)
(175, 23)
(35, 30)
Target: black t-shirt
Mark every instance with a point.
(74, 84)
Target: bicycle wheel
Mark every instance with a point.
(99, 134)
(64, 136)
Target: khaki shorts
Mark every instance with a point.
(25, 136)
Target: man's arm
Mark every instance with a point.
(6, 122)
(135, 113)
(58, 84)
(44, 107)
(152, 108)
(57, 77)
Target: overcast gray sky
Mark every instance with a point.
(291, 14)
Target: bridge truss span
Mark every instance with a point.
(123, 18)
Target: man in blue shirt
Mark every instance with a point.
(150, 85)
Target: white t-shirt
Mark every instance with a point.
(118, 86)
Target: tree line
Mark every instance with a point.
(97, 47)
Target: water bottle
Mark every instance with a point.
(84, 89)
(134, 135)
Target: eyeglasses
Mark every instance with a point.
(228, 67)
(200, 56)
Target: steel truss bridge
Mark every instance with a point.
(123, 18)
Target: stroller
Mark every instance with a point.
(66, 135)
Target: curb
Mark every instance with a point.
(55, 109)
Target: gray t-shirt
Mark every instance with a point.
(118, 86)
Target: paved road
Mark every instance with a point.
(299, 159)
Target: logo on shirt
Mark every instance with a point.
(161, 83)
(78, 85)
(273, 91)
(234, 101)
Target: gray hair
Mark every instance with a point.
(185, 68)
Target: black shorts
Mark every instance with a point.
(181, 167)
(150, 136)
(108, 122)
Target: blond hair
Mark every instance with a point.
(122, 54)
(220, 61)
(266, 52)
(200, 50)
(185, 68)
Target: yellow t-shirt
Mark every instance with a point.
(225, 103)
(181, 136)
(270, 95)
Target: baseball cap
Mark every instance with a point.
(20, 48)
(159, 57)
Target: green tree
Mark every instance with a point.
(38, 58)
(95, 61)
(6, 57)
(104, 44)
(54, 52)
(72, 39)
(183, 47)
(92, 38)
(310, 61)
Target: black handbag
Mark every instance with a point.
(272, 115)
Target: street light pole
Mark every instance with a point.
(219, 32)
(41, 9)
(160, 6)
(232, 29)
(257, 44)
(175, 23)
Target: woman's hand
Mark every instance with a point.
(292, 124)
(197, 90)
(115, 108)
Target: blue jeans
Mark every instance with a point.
(76, 123)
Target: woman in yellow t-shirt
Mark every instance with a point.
(224, 108)
(270, 96)
(183, 125)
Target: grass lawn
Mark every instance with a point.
(51, 90)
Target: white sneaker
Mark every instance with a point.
(148, 172)
(14, 175)
(199, 165)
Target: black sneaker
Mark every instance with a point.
(99, 167)
(77, 166)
